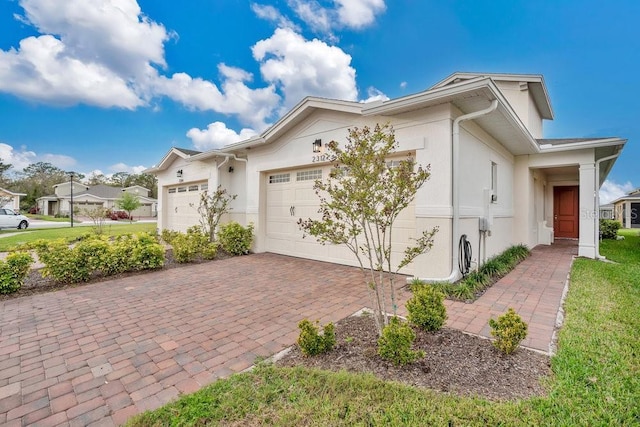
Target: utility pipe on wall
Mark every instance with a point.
(455, 184)
(597, 200)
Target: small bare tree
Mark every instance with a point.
(98, 215)
(359, 203)
(211, 209)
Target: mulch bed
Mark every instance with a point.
(455, 362)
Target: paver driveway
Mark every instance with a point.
(103, 352)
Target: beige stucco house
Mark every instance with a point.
(491, 167)
(626, 209)
(10, 199)
(89, 197)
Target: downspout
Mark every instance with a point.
(597, 197)
(455, 184)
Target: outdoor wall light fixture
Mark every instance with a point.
(230, 169)
(179, 173)
(317, 145)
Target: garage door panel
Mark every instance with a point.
(181, 210)
(285, 237)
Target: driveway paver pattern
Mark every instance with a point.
(98, 354)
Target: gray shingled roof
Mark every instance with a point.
(187, 151)
(102, 191)
(561, 141)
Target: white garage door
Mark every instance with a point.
(290, 196)
(181, 205)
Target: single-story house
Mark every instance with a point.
(90, 197)
(494, 177)
(10, 200)
(606, 211)
(627, 209)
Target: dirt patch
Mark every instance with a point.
(455, 362)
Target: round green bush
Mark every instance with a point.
(426, 308)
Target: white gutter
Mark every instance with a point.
(597, 197)
(455, 183)
(598, 143)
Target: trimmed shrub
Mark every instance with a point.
(168, 235)
(311, 342)
(192, 246)
(236, 239)
(146, 252)
(426, 308)
(13, 271)
(509, 331)
(609, 228)
(96, 255)
(62, 263)
(396, 341)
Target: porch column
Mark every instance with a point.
(588, 214)
(627, 214)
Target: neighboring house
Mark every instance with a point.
(90, 197)
(11, 200)
(606, 211)
(627, 209)
(482, 135)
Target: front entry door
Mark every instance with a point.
(565, 212)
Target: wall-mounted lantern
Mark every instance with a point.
(317, 145)
(179, 173)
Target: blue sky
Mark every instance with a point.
(111, 85)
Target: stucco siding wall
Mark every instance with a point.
(191, 172)
(478, 152)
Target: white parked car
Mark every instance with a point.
(11, 219)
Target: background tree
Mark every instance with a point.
(211, 209)
(145, 180)
(128, 202)
(359, 203)
(37, 180)
(96, 179)
(119, 179)
(4, 167)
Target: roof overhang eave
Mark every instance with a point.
(598, 143)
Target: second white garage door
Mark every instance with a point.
(290, 196)
(181, 203)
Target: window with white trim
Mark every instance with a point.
(172, 190)
(193, 188)
(182, 189)
(309, 175)
(278, 178)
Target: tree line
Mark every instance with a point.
(37, 180)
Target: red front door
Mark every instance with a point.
(565, 212)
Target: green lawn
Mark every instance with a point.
(29, 235)
(47, 218)
(596, 379)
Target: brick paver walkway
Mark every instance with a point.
(534, 290)
(98, 354)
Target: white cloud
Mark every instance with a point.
(302, 68)
(253, 106)
(23, 157)
(611, 190)
(270, 13)
(353, 14)
(359, 13)
(123, 167)
(105, 53)
(217, 135)
(313, 14)
(375, 95)
(113, 33)
(403, 85)
(42, 69)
